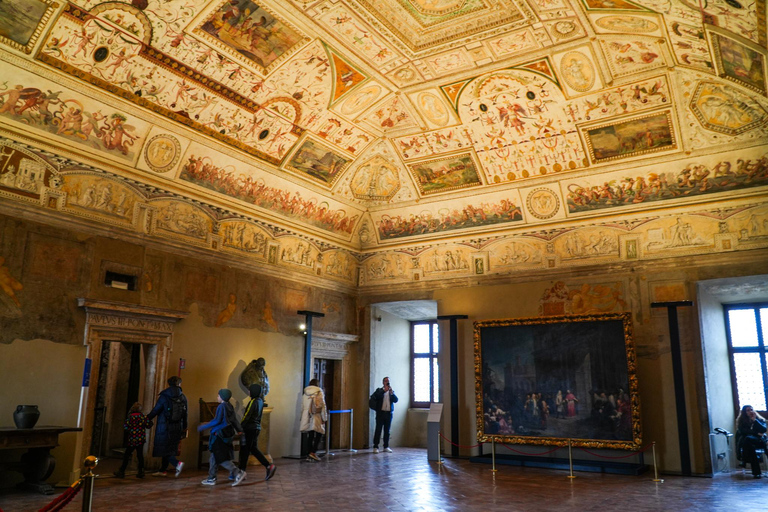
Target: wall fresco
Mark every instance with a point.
(376, 179)
(646, 186)
(725, 109)
(739, 63)
(240, 182)
(629, 56)
(41, 105)
(94, 194)
(317, 161)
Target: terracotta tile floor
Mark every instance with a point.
(404, 480)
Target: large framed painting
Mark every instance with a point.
(641, 135)
(22, 22)
(739, 63)
(318, 161)
(546, 380)
(446, 173)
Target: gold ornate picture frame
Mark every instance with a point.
(26, 20)
(548, 380)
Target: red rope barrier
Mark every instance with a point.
(532, 454)
(64, 498)
(459, 445)
(620, 456)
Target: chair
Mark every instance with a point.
(207, 412)
(760, 452)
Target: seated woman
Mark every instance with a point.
(750, 436)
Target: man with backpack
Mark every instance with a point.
(382, 401)
(171, 413)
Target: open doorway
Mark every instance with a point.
(122, 374)
(328, 375)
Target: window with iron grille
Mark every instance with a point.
(747, 329)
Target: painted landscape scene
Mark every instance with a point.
(446, 174)
(632, 137)
(19, 19)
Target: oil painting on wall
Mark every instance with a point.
(546, 380)
(19, 22)
(446, 174)
(637, 136)
(252, 31)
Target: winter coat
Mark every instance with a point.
(167, 433)
(311, 421)
(136, 424)
(218, 444)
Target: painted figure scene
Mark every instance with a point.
(564, 380)
(252, 31)
(693, 180)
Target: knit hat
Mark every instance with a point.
(225, 394)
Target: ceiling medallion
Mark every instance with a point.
(162, 152)
(543, 203)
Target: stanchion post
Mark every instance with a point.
(351, 426)
(439, 448)
(328, 439)
(493, 455)
(89, 463)
(655, 468)
(570, 460)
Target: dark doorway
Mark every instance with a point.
(328, 374)
(120, 385)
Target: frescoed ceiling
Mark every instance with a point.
(373, 123)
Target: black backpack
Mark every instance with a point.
(373, 403)
(178, 409)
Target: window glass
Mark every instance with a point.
(749, 380)
(421, 390)
(436, 380)
(436, 338)
(421, 339)
(743, 327)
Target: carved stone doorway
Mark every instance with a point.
(109, 328)
(333, 368)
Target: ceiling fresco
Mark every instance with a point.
(375, 123)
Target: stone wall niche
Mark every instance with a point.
(108, 322)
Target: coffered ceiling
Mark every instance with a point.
(370, 123)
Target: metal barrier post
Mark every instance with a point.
(439, 448)
(328, 439)
(90, 463)
(493, 454)
(655, 469)
(570, 459)
(351, 426)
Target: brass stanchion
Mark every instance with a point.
(90, 463)
(570, 459)
(439, 448)
(493, 454)
(655, 468)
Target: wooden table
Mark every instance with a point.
(37, 464)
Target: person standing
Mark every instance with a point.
(313, 416)
(224, 427)
(136, 424)
(251, 424)
(385, 399)
(171, 413)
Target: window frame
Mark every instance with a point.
(433, 356)
(761, 348)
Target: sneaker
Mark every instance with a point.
(231, 477)
(239, 478)
(388, 450)
(160, 473)
(314, 456)
(375, 450)
(270, 471)
(209, 481)
(179, 468)
(119, 474)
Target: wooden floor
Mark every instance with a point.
(404, 480)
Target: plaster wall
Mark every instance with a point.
(49, 375)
